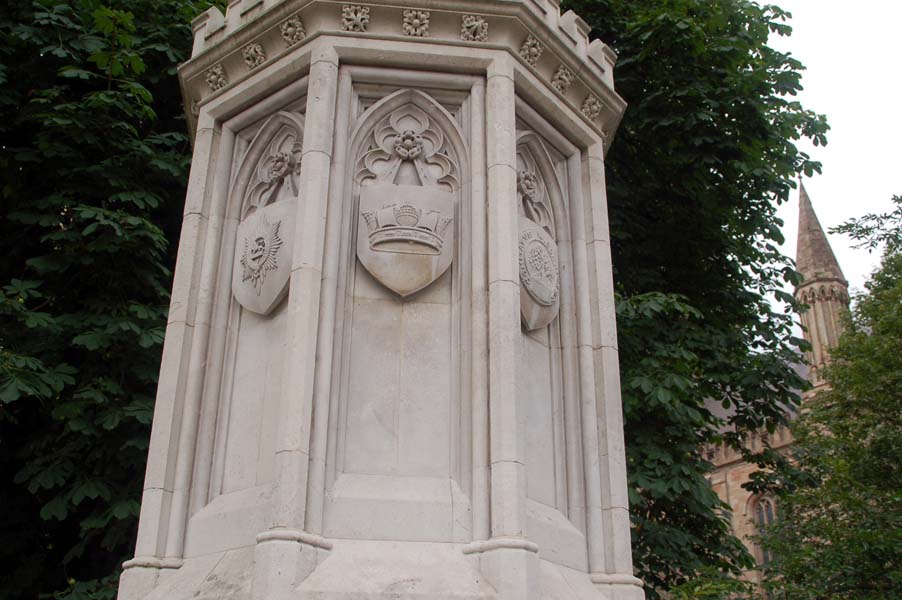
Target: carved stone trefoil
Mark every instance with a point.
(254, 55)
(408, 188)
(216, 78)
(355, 17)
(474, 28)
(531, 50)
(293, 31)
(591, 107)
(562, 79)
(416, 23)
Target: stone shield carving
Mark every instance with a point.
(539, 275)
(262, 265)
(404, 236)
(540, 283)
(408, 187)
(267, 181)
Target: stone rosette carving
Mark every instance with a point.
(216, 78)
(355, 17)
(562, 79)
(254, 55)
(474, 28)
(591, 107)
(408, 182)
(531, 49)
(415, 23)
(292, 30)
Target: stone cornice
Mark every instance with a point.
(552, 46)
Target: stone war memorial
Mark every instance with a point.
(390, 368)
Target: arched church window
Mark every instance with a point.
(765, 513)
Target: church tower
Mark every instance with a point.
(824, 290)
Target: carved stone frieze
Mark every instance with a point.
(531, 50)
(292, 30)
(416, 23)
(355, 17)
(474, 28)
(562, 79)
(254, 55)
(591, 107)
(216, 78)
(408, 181)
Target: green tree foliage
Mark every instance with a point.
(93, 163)
(839, 534)
(93, 168)
(705, 153)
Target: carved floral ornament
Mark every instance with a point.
(408, 180)
(474, 28)
(416, 23)
(254, 55)
(531, 50)
(215, 78)
(292, 30)
(591, 107)
(562, 79)
(355, 17)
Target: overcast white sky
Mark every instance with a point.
(852, 52)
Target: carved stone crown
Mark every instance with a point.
(405, 229)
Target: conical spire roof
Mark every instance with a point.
(814, 256)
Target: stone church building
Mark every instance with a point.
(825, 292)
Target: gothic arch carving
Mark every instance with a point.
(264, 197)
(407, 178)
(542, 220)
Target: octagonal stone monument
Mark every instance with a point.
(390, 368)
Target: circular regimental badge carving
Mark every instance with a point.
(538, 265)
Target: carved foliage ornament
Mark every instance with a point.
(254, 55)
(531, 50)
(355, 17)
(293, 30)
(268, 186)
(408, 183)
(562, 79)
(215, 78)
(474, 28)
(591, 107)
(416, 23)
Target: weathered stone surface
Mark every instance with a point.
(382, 375)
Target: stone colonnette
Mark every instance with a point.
(390, 368)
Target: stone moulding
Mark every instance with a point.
(390, 411)
(568, 42)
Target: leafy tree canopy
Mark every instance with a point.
(705, 153)
(93, 171)
(93, 167)
(839, 534)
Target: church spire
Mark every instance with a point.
(823, 290)
(814, 257)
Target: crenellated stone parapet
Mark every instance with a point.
(391, 368)
(253, 33)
